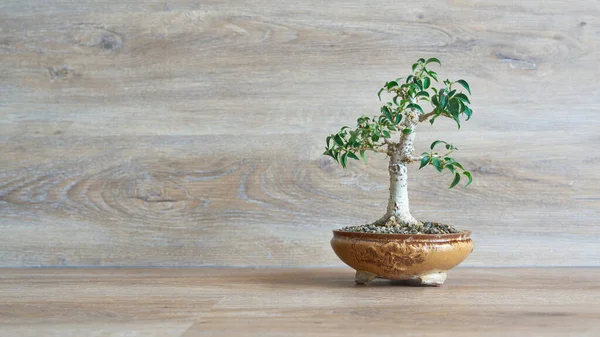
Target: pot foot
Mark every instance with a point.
(432, 279)
(364, 277)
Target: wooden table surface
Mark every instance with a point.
(296, 302)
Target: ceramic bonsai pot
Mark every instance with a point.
(421, 258)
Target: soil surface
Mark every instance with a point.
(393, 227)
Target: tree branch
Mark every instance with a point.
(426, 116)
(376, 148)
(412, 159)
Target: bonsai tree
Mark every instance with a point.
(414, 100)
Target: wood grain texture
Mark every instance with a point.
(190, 134)
(296, 302)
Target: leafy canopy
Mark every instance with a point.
(415, 94)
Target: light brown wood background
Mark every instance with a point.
(190, 133)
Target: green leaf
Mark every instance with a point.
(435, 100)
(374, 138)
(386, 134)
(433, 75)
(352, 139)
(390, 85)
(328, 140)
(338, 140)
(362, 154)
(379, 93)
(437, 163)
(406, 131)
(456, 119)
(352, 155)
(422, 93)
(436, 143)
(398, 119)
(434, 60)
(461, 105)
(415, 106)
(426, 82)
(468, 112)
(463, 98)
(418, 85)
(455, 163)
(450, 168)
(456, 180)
(409, 78)
(443, 100)
(451, 93)
(468, 175)
(387, 113)
(421, 60)
(465, 85)
(424, 161)
(344, 160)
(454, 106)
(414, 67)
(335, 155)
(395, 99)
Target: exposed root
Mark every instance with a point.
(390, 221)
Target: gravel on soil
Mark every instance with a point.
(393, 227)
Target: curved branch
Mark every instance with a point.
(412, 159)
(375, 148)
(426, 116)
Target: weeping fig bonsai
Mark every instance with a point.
(413, 100)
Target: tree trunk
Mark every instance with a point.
(398, 202)
(400, 154)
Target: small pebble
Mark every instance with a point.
(393, 227)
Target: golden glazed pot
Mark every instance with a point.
(422, 258)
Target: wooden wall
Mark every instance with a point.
(190, 133)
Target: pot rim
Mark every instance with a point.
(394, 236)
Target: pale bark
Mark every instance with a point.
(400, 155)
(398, 205)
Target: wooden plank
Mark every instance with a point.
(187, 134)
(296, 302)
(71, 68)
(163, 201)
